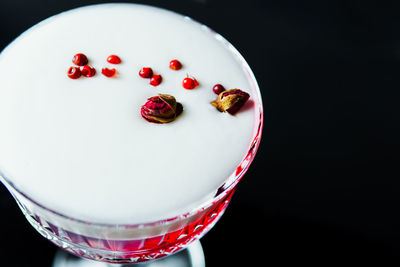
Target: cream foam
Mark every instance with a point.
(81, 148)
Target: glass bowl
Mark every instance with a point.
(125, 243)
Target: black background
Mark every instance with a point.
(324, 187)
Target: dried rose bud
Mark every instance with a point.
(231, 101)
(161, 109)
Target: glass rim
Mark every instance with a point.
(221, 191)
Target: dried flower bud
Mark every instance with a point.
(161, 109)
(231, 101)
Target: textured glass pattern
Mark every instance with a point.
(130, 250)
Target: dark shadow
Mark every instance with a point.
(247, 106)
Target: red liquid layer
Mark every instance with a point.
(135, 250)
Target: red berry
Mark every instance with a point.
(74, 72)
(108, 72)
(218, 88)
(88, 71)
(113, 59)
(175, 65)
(189, 83)
(156, 80)
(80, 60)
(146, 73)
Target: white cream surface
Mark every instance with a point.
(81, 148)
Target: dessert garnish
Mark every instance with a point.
(189, 83)
(80, 60)
(113, 59)
(175, 65)
(231, 101)
(146, 72)
(161, 109)
(155, 80)
(74, 72)
(218, 88)
(88, 71)
(108, 72)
